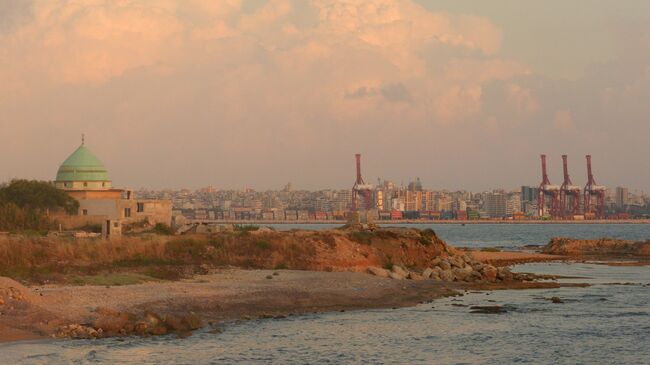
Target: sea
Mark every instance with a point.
(607, 322)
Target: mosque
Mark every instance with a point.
(83, 176)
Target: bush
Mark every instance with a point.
(25, 204)
(245, 228)
(263, 245)
(163, 229)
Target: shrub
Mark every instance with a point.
(163, 229)
(245, 228)
(263, 245)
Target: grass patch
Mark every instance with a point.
(490, 249)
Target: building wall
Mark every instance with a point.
(101, 207)
(83, 185)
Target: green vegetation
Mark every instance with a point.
(263, 245)
(426, 237)
(490, 249)
(163, 229)
(245, 228)
(26, 204)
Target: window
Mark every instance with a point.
(127, 212)
(84, 212)
(85, 184)
(140, 207)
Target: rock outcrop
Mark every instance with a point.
(604, 247)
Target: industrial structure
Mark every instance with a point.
(361, 190)
(569, 201)
(594, 195)
(548, 198)
(569, 194)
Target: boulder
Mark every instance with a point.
(378, 271)
(457, 261)
(414, 276)
(435, 276)
(427, 273)
(446, 275)
(503, 273)
(444, 265)
(436, 261)
(489, 272)
(400, 271)
(396, 276)
(460, 274)
(192, 321)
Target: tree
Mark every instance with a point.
(24, 204)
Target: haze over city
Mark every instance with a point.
(464, 95)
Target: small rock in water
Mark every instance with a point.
(487, 309)
(269, 276)
(556, 300)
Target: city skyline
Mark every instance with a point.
(259, 93)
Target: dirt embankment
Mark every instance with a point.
(47, 260)
(599, 248)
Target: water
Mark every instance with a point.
(600, 324)
(510, 235)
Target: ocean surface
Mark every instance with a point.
(606, 323)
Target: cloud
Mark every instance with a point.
(226, 92)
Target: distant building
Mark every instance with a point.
(528, 195)
(622, 197)
(513, 204)
(84, 177)
(495, 204)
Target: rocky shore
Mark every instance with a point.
(338, 270)
(54, 311)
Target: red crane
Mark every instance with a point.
(360, 188)
(548, 193)
(594, 194)
(569, 194)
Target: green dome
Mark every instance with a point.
(82, 165)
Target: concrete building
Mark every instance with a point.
(495, 204)
(622, 197)
(84, 177)
(513, 204)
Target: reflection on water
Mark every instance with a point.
(599, 324)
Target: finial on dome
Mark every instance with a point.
(83, 139)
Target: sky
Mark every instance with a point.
(257, 93)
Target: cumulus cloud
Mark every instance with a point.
(272, 86)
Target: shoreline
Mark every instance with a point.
(418, 221)
(227, 295)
